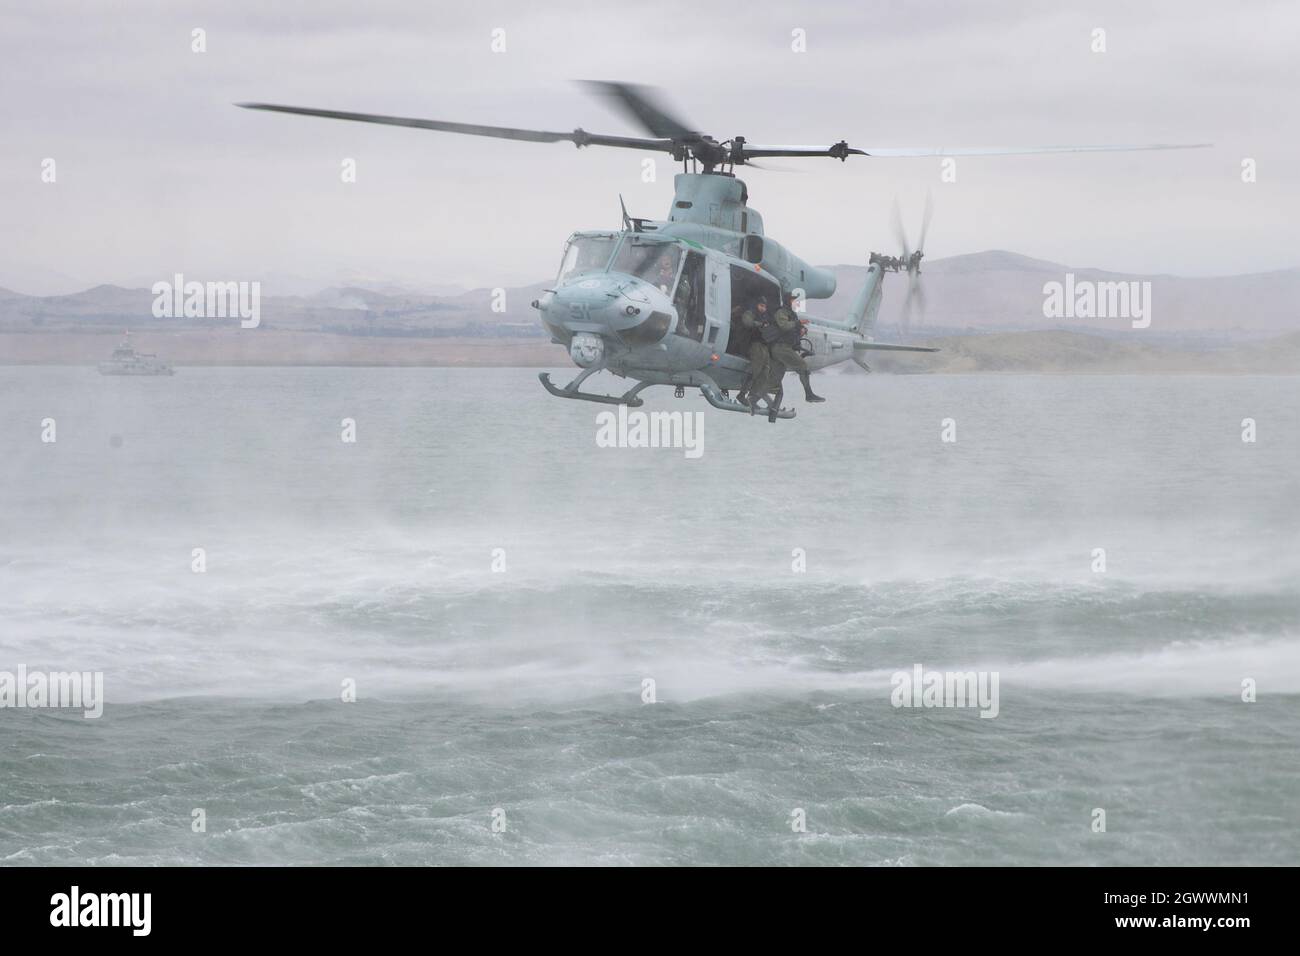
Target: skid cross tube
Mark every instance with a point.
(572, 390)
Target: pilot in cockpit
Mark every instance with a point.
(665, 272)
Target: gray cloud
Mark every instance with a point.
(159, 173)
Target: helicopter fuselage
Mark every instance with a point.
(661, 301)
(676, 323)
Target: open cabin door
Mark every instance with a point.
(743, 289)
(717, 306)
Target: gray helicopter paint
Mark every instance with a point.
(717, 217)
(582, 303)
(710, 210)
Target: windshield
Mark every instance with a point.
(586, 254)
(655, 262)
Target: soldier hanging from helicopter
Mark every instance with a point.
(774, 350)
(763, 331)
(785, 350)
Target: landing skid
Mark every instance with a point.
(715, 397)
(717, 400)
(572, 390)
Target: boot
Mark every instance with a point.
(808, 394)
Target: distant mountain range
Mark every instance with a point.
(997, 290)
(984, 292)
(1057, 352)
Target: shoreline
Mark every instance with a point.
(279, 349)
(1016, 353)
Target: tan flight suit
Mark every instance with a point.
(786, 350)
(760, 358)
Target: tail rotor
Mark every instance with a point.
(910, 261)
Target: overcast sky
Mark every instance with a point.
(157, 172)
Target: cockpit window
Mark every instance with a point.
(586, 254)
(655, 262)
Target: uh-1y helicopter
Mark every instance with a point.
(659, 301)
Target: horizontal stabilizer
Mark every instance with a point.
(881, 347)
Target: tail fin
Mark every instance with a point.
(862, 319)
(862, 316)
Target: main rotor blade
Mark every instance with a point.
(891, 152)
(579, 137)
(768, 167)
(644, 107)
(842, 150)
(837, 151)
(882, 347)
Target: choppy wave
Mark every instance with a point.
(297, 629)
(770, 590)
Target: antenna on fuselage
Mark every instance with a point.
(628, 222)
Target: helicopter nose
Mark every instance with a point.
(585, 305)
(622, 307)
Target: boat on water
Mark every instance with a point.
(125, 360)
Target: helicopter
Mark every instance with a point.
(661, 301)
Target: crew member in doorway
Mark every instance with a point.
(785, 350)
(763, 333)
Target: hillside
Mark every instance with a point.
(986, 291)
(1049, 352)
(1057, 352)
(1003, 290)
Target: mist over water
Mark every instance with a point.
(521, 689)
